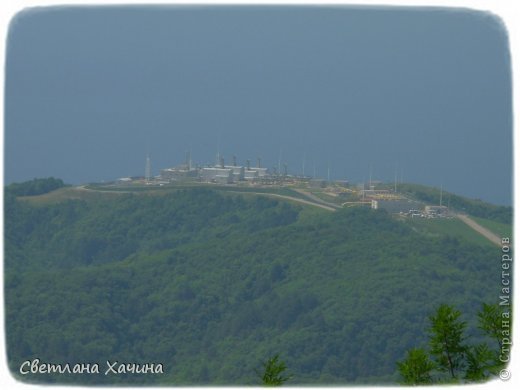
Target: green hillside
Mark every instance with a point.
(210, 284)
(452, 227)
(500, 229)
(474, 207)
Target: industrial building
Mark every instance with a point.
(227, 174)
(218, 173)
(182, 172)
(221, 175)
(179, 173)
(252, 173)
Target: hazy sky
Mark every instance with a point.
(423, 92)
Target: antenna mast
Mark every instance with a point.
(217, 162)
(279, 161)
(395, 179)
(148, 169)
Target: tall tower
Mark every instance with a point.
(148, 169)
(280, 161)
(187, 159)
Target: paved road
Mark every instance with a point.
(84, 188)
(317, 202)
(315, 199)
(303, 201)
(292, 198)
(480, 229)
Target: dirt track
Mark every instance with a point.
(480, 229)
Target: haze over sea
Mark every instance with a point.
(424, 93)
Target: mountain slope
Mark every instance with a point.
(212, 284)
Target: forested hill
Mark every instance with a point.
(211, 284)
(34, 187)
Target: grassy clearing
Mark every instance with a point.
(265, 190)
(451, 227)
(326, 197)
(500, 229)
(309, 213)
(67, 193)
(179, 186)
(100, 191)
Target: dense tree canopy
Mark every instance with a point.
(35, 187)
(209, 284)
(450, 358)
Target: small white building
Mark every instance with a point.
(124, 180)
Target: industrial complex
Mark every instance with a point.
(334, 193)
(221, 173)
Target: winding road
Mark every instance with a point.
(317, 202)
(308, 202)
